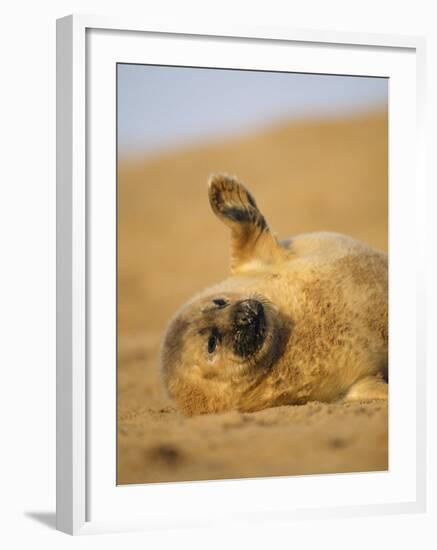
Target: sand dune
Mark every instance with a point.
(310, 176)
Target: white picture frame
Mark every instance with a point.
(83, 477)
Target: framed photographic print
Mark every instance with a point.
(240, 259)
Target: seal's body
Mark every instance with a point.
(297, 321)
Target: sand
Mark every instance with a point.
(310, 176)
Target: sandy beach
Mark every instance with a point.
(307, 176)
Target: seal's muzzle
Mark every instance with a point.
(249, 327)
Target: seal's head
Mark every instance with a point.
(218, 348)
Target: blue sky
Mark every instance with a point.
(166, 107)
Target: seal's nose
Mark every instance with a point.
(249, 327)
(248, 312)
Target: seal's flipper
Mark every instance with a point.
(253, 244)
(368, 389)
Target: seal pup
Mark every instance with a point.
(304, 319)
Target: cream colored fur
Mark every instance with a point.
(325, 302)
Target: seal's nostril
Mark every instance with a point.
(249, 327)
(259, 308)
(254, 307)
(249, 312)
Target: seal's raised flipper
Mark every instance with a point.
(252, 241)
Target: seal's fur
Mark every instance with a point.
(299, 320)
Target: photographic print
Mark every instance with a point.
(252, 274)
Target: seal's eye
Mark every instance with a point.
(212, 343)
(219, 302)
